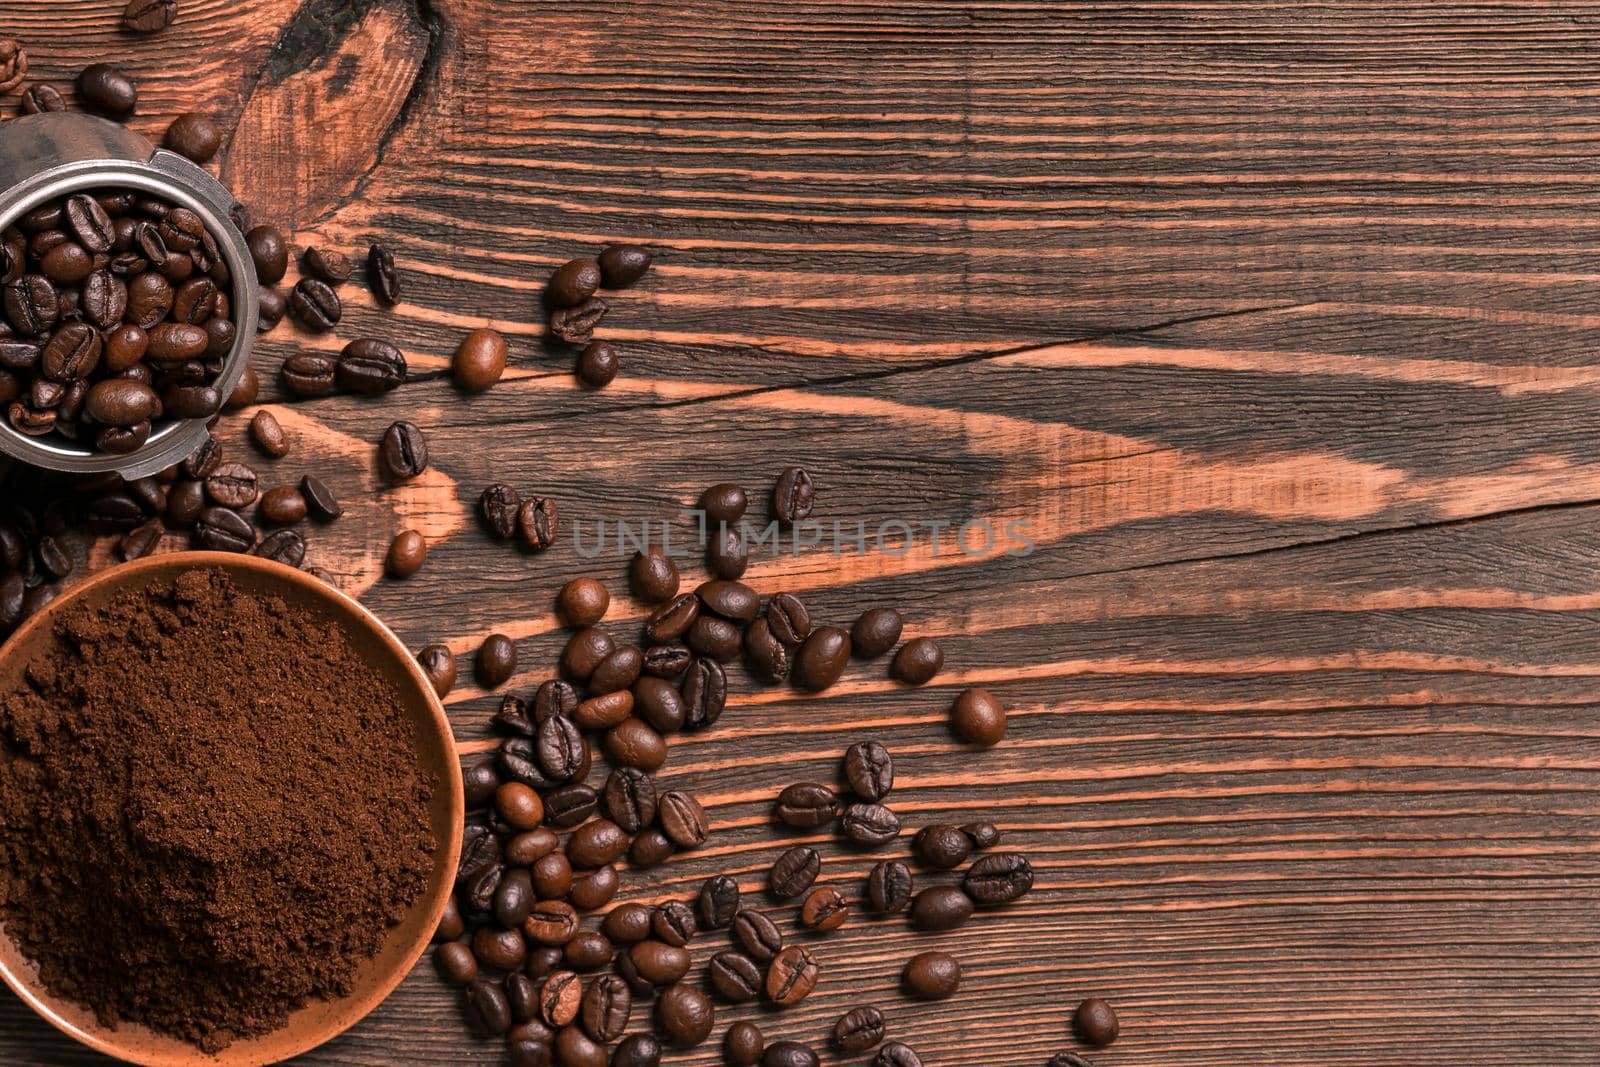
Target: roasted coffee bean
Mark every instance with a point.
(638, 1050)
(561, 750)
(977, 718)
(575, 325)
(456, 963)
(403, 451)
(999, 878)
(607, 1004)
(220, 335)
(940, 908)
(653, 576)
(519, 805)
(283, 546)
(18, 355)
(204, 460)
(1095, 1023)
(727, 555)
(497, 507)
(667, 661)
(370, 366)
(244, 394)
(584, 651)
(330, 265)
(789, 1054)
(582, 601)
(705, 693)
(496, 661)
(821, 659)
(451, 924)
(595, 843)
(604, 711)
(308, 374)
(124, 347)
(622, 265)
(793, 872)
(633, 743)
(628, 924)
(941, 846)
(619, 670)
(673, 619)
(735, 977)
(724, 503)
(574, 282)
(673, 923)
(791, 976)
(406, 555)
(479, 360)
(554, 697)
(89, 223)
(743, 1045)
(598, 364)
(560, 998)
(649, 848)
(764, 654)
(715, 638)
(175, 342)
(539, 522)
(658, 962)
(623, 966)
(682, 819)
(918, 661)
(439, 664)
(39, 99)
(315, 305)
(869, 770)
(875, 632)
(793, 496)
(382, 276)
(150, 298)
(1068, 1059)
(54, 559)
(270, 252)
(932, 976)
(729, 599)
(807, 805)
(191, 401)
(824, 910)
(571, 804)
(72, 352)
(983, 834)
(717, 903)
(67, 264)
(869, 824)
(593, 890)
(120, 402)
(894, 1054)
(543, 961)
(148, 16)
(268, 435)
(513, 898)
(107, 91)
(522, 993)
(575, 1048)
(105, 301)
(499, 950)
(521, 1052)
(195, 137)
(550, 922)
(232, 485)
(531, 846)
(858, 1030)
(757, 935)
(31, 305)
(513, 716)
(141, 541)
(788, 620)
(629, 798)
(684, 1015)
(321, 504)
(181, 230)
(590, 950)
(479, 781)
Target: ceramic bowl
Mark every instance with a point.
(319, 1021)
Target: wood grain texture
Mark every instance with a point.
(1273, 321)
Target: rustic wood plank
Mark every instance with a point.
(1272, 320)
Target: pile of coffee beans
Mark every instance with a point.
(576, 310)
(117, 315)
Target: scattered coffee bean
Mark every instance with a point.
(673, 619)
(941, 907)
(232, 485)
(329, 265)
(894, 1054)
(658, 962)
(682, 819)
(628, 924)
(822, 658)
(622, 265)
(107, 91)
(39, 99)
(1068, 1059)
(983, 834)
(310, 374)
(1096, 1023)
(496, 661)
(918, 661)
(282, 506)
(629, 798)
(270, 310)
(757, 935)
(674, 923)
(320, 501)
(653, 576)
(574, 282)
(932, 976)
(649, 848)
(539, 522)
(270, 252)
(824, 910)
(743, 1045)
(268, 435)
(607, 1005)
(889, 887)
(705, 692)
(875, 632)
(315, 305)
(382, 277)
(807, 805)
(598, 364)
(717, 903)
(499, 949)
(148, 16)
(575, 325)
(869, 825)
(869, 770)
(791, 976)
(479, 360)
(684, 1015)
(406, 554)
(727, 555)
(735, 977)
(371, 367)
(858, 1030)
(999, 878)
(582, 602)
(942, 846)
(765, 655)
(560, 998)
(439, 664)
(793, 496)
(497, 507)
(403, 451)
(194, 136)
(788, 620)
(793, 872)
(724, 503)
(456, 963)
(978, 718)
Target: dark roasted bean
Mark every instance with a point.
(310, 374)
(793, 496)
(674, 923)
(497, 507)
(821, 659)
(637, 1050)
(682, 819)
(717, 903)
(869, 824)
(1095, 1023)
(998, 878)
(941, 846)
(330, 265)
(932, 976)
(321, 504)
(195, 137)
(222, 530)
(479, 360)
(658, 962)
(232, 485)
(918, 661)
(496, 661)
(807, 805)
(403, 451)
(983, 834)
(673, 619)
(315, 305)
(791, 976)
(107, 91)
(788, 620)
(825, 909)
(407, 553)
(571, 804)
(148, 16)
(941, 907)
(539, 522)
(735, 977)
(629, 798)
(858, 1030)
(869, 770)
(705, 692)
(575, 325)
(653, 577)
(267, 434)
(439, 664)
(789, 1054)
(793, 872)
(757, 935)
(977, 718)
(894, 1054)
(370, 366)
(875, 632)
(622, 265)
(715, 638)
(574, 282)
(764, 654)
(667, 661)
(283, 546)
(607, 1004)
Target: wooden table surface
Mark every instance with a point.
(1276, 324)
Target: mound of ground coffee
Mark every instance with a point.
(210, 810)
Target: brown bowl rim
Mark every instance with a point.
(239, 1054)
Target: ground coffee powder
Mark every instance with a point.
(209, 810)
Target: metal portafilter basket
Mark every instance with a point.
(50, 155)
